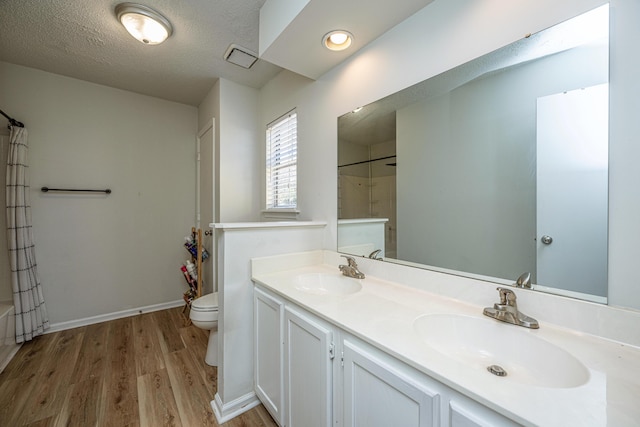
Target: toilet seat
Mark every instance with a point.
(205, 303)
(204, 311)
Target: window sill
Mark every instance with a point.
(280, 214)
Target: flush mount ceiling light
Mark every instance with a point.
(337, 40)
(144, 23)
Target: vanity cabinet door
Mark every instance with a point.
(308, 370)
(268, 348)
(464, 412)
(380, 392)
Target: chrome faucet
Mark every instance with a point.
(351, 269)
(507, 311)
(374, 255)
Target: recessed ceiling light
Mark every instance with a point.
(144, 23)
(337, 40)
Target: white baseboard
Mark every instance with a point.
(226, 411)
(61, 326)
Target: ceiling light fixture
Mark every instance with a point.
(337, 40)
(144, 23)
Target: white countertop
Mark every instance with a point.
(382, 314)
(265, 224)
(362, 221)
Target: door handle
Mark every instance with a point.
(547, 240)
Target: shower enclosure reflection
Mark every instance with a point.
(367, 199)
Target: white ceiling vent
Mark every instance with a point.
(240, 56)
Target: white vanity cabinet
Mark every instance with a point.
(294, 356)
(308, 372)
(268, 317)
(311, 373)
(378, 392)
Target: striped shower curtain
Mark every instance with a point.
(30, 312)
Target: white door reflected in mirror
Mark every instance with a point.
(571, 180)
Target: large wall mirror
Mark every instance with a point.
(492, 169)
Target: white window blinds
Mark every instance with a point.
(282, 155)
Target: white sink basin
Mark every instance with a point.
(326, 284)
(479, 343)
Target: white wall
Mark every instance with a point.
(210, 106)
(238, 150)
(439, 37)
(240, 146)
(209, 109)
(238, 143)
(99, 254)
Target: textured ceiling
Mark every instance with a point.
(83, 39)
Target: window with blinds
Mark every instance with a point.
(282, 149)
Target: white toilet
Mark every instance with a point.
(204, 315)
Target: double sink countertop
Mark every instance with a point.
(555, 376)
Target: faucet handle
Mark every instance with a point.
(507, 296)
(524, 280)
(350, 260)
(374, 254)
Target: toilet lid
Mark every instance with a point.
(207, 302)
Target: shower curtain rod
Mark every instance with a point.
(13, 122)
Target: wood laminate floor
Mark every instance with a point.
(140, 371)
